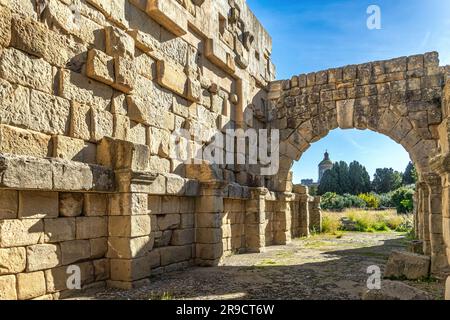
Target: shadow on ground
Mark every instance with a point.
(318, 268)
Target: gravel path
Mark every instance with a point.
(321, 267)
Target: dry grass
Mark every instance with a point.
(367, 221)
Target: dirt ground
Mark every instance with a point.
(322, 267)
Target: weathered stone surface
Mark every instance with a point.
(5, 26)
(95, 205)
(119, 43)
(447, 289)
(16, 233)
(73, 251)
(408, 265)
(394, 290)
(74, 149)
(100, 67)
(58, 230)
(91, 227)
(38, 205)
(12, 260)
(43, 256)
(8, 204)
(174, 254)
(71, 204)
(15, 102)
(169, 14)
(81, 121)
(30, 285)
(8, 288)
(126, 248)
(99, 247)
(130, 269)
(129, 226)
(172, 77)
(102, 124)
(20, 68)
(56, 279)
(74, 86)
(125, 72)
(24, 142)
(183, 237)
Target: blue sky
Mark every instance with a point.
(313, 35)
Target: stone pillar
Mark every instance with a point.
(304, 215)
(438, 249)
(209, 211)
(283, 219)
(315, 215)
(425, 215)
(255, 221)
(130, 238)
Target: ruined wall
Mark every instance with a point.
(91, 92)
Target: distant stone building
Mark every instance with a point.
(325, 165)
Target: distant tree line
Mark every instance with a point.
(354, 179)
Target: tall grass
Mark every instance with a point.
(367, 221)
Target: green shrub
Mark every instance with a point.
(372, 200)
(331, 223)
(402, 199)
(386, 200)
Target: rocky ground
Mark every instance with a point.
(319, 268)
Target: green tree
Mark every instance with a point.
(342, 173)
(410, 174)
(328, 183)
(386, 180)
(359, 178)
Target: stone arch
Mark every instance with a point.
(399, 98)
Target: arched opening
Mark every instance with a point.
(366, 181)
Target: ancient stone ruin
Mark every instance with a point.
(92, 94)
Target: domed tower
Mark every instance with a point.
(325, 165)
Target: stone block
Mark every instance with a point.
(126, 204)
(175, 185)
(125, 72)
(130, 226)
(130, 269)
(49, 114)
(209, 251)
(408, 265)
(159, 142)
(9, 203)
(169, 14)
(447, 289)
(71, 204)
(36, 39)
(138, 109)
(99, 247)
(102, 124)
(74, 149)
(171, 76)
(11, 59)
(30, 285)
(81, 121)
(24, 142)
(8, 288)
(43, 256)
(74, 251)
(119, 43)
(60, 229)
(168, 221)
(38, 205)
(175, 254)
(101, 269)
(15, 102)
(5, 26)
(100, 67)
(12, 260)
(95, 205)
(91, 227)
(17, 233)
(76, 87)
(209, 235)
(126, 248)
(159, 165)
(183, 237)
(76, 176)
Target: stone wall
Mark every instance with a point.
(93, 97)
